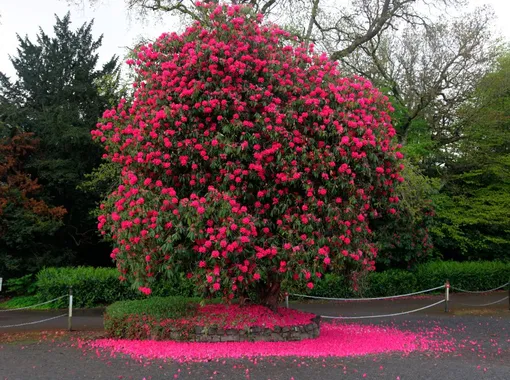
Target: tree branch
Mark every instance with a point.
(312, 21)
(374, 29)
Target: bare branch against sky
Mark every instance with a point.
(122, 27)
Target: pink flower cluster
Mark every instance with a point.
(247, 159)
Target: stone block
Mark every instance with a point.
(230, 338)
(276, 337)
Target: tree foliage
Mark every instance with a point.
(246, 161)
(406, 240)
(427, 62)
(25, 220)
(58, 96)
(474, 201)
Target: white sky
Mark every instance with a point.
(24, 17)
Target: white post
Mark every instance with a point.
(1, 283)
(446, 295)
(287, 300)
(69, 320)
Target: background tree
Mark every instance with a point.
(339, 27)
(406, 240)
(473, 204)
(58, 96)
(26, 222)
(430, 71)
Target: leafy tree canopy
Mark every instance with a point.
(26, 221)
(475, 198)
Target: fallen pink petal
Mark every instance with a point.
(336, 340)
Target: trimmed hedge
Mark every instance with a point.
(91, 286)
(472, 275)
(101, 286)
(478, 276)
(20, 286)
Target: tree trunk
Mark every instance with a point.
(270, 294)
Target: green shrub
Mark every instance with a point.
(480, 275)
(179, 286)
(100, 286)
(474, 275)
(333, 284)
(390, 283)
(23, 301)
(91, 286)
(20, 286)
(139, 319)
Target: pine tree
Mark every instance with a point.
(58, 95)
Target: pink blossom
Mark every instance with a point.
(144, 290)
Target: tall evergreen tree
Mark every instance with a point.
(58, 95)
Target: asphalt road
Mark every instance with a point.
(47, 360)
(482, 337)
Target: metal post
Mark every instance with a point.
(287, 300)
(446, 295)
(69, 320)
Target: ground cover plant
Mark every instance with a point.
(247, 159)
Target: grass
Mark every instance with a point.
(25, 301)
(34, 337)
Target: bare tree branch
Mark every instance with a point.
(313, 15)
(430, 72)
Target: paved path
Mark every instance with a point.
(92, 319)
(483, 336)
(484, 354)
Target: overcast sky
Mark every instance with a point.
(24, 17)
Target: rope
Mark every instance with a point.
(32, 306)
(385, 315)
(368, 299)
(485, 304)
(33, 323)
(479, 291)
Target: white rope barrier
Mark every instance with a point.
(32, 306)
(485, 304)
(368, 299)
(385, 315)
(480, 291)
(33, 323)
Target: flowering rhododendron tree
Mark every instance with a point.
(247, 160)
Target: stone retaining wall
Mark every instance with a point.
(254, 334)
